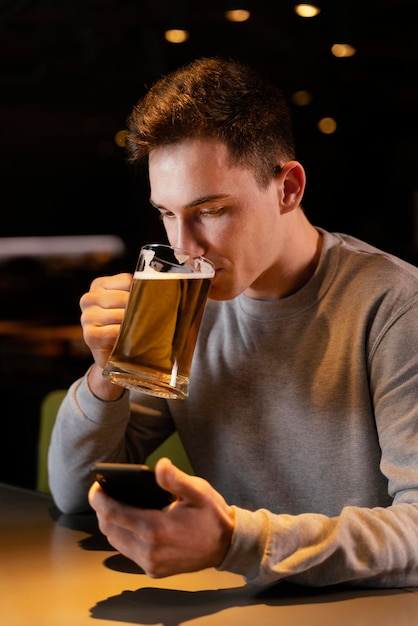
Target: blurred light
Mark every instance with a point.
(176, 35)
(343, 50)
(306, 10)
(327, 125)
(120, 138)
(71, 246)
(302, 97)
(237, 15)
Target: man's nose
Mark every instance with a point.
(186, 238)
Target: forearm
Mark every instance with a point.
(87, 429)
(368, 547)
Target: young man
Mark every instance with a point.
(302, 419)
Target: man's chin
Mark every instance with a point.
(217, 292)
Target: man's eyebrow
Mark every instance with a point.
(197, 202)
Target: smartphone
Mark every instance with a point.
(132, 484)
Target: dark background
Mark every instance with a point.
(70, 72)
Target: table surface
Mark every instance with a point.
(58, 570)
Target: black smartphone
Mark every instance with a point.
(132, 484)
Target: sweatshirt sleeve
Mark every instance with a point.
(85, 431)
(366, 547)
(88, 430)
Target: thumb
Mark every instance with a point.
(177, 482)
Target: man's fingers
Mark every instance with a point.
(182, 485)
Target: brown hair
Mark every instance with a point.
(215, 98)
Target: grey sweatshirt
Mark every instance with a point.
(302, 413)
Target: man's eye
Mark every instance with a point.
(165, 215)
(211, 212)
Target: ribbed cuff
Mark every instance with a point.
(249, 540)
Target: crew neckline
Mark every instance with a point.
(308, 295)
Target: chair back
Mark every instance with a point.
(49, 409)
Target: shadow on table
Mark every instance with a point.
(95, 540)
(85, 522)
(171, 607)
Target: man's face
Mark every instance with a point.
(212, 208)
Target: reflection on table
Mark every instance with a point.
(58, 570)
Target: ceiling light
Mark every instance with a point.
(343, 50)
(327, 125)
(237, 15)
(306, 10)
(176, 35)
(302, 97)
(120, 138)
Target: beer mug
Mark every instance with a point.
(157, 337)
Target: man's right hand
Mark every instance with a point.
(102, 311)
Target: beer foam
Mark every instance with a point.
(150, 274)
(206, 268)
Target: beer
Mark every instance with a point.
(154, 350)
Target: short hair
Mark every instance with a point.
(222, 99)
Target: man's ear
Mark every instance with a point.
(293, 181)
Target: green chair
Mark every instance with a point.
(49, 408)
(171, 447)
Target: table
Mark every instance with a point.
(58, 570)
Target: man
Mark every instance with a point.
(301, 422)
